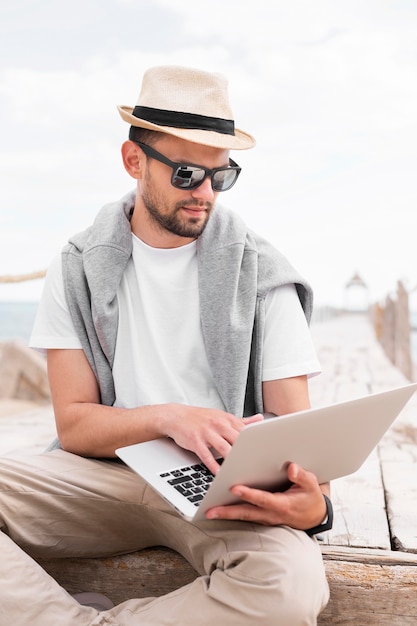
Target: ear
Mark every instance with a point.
(133, 159)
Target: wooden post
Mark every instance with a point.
(402, 357)
(388, 329)
(392, 328)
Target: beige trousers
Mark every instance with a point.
(58, 504)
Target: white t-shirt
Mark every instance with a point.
(160, 355)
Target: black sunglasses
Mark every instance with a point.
(188, 176)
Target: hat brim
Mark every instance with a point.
(239, 141)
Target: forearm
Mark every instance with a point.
(87, 427)
(91, 429)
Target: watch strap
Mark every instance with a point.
(326, 525)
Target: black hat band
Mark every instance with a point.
(177, 119)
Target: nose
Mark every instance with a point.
(204, 191)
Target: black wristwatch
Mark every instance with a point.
(327, 524)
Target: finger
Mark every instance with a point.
(223, 439)
(209, 460)
(206, 452)
(258, 417)
(243, 513)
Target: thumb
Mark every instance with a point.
(301, 477)
(296, 474)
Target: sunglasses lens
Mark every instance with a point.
(188, 177)
(222, 180)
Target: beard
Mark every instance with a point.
(172, 219)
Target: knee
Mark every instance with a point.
(300, 606)
(277, 592)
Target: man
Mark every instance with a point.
(168, 318)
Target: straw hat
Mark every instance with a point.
(187, 103)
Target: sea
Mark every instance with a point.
(16, 320)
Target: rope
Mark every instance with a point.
(22, 277)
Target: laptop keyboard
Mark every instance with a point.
(191, 481)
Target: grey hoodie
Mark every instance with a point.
(236, 267)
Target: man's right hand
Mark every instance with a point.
(204, 430)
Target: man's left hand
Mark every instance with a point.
(302, 506)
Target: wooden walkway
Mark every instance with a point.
(371, 553)
(377, 506)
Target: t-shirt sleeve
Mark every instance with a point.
(288, 347)
(53, 327)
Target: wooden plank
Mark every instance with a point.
(368, 587)
(369, 556)
(400, 480)
(398, 457)
(147, 573)
(359, 509)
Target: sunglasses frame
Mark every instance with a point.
(176, 167)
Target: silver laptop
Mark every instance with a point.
(331, 442)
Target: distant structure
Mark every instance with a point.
(356, 295)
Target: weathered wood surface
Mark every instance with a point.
(368, 587)
(359, 503)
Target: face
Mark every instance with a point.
(175, 216)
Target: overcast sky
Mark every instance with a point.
(327, 87)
